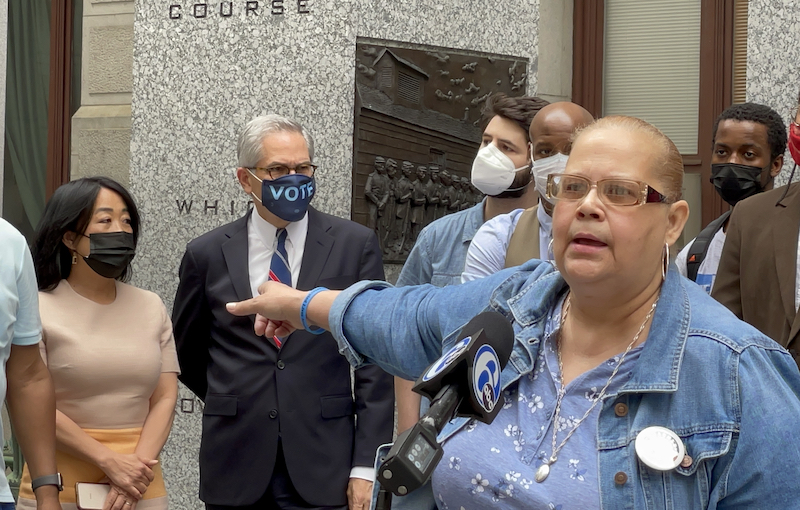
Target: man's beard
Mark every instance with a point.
(519, 186)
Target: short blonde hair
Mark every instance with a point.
(668, 163)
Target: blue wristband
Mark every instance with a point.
(304, 310)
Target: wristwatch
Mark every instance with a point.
(47, 480)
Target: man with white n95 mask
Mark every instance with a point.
(511, 239)
(501, 171)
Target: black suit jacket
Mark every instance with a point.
(254, 392)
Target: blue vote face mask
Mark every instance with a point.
(287, 197)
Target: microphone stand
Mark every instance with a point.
(442, 408)
(384, 501)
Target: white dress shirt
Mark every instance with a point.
(262, 240)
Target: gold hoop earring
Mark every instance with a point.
(665, 264)
(74, 258)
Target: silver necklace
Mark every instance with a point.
(544, 470)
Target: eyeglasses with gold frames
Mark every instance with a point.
(623, 192)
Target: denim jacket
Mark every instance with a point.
(727, 390)
(440, 251)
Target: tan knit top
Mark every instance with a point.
(106, 360)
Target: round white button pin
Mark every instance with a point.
(659, 448)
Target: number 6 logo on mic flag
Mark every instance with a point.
(447, 359)
(486, 381)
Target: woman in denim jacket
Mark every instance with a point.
(628, 387)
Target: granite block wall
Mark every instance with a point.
(202, 69)
(773, 61)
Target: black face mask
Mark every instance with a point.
(110, 253)
(736, 182)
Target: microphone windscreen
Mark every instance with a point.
(498, 330)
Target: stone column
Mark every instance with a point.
(101, 128)
(3, 69)
(555, 50)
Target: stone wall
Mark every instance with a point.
(773, 61)
(199, 75)
(101, 128)
(3, 46)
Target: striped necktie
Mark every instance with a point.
(279, 267)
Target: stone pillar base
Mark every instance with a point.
(101, 140)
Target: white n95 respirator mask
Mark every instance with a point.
(492, 171)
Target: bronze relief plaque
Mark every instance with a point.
(417, 128)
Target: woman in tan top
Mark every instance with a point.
(108, 345)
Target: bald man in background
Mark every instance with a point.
(511, 239)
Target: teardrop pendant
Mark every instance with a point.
(542, 473)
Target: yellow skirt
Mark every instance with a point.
(74, 470)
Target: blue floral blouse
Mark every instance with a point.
(493, 466)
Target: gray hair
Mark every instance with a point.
(249, 148)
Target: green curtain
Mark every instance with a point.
(27, 90)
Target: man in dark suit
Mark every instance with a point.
(759, 270)
(756, 278)
(281, 428)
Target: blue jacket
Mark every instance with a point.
(441, 248)
(727, 390)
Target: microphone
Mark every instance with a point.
(477, 359)
(464, 381)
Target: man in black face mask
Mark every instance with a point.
(759, 270)
(748, 144)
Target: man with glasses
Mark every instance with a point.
(282, 427)
(759, 270)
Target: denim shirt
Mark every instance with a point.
(440, 250)
(727, 390)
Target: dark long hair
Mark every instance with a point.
(70, 210)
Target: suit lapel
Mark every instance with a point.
(315, 254)
(235, 252)
(785, 226)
